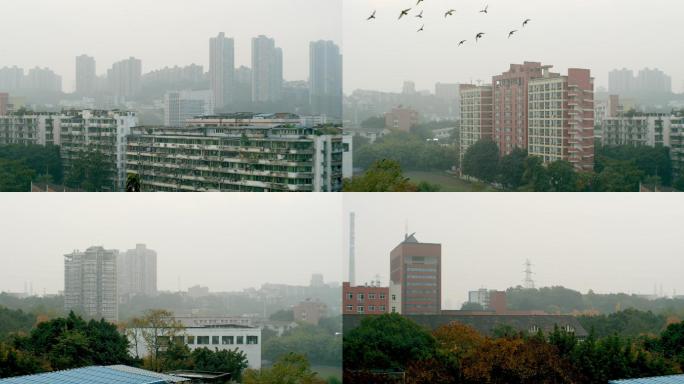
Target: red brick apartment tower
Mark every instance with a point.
(510, 105)
(561, 118)
(364, 299)
(416, 277)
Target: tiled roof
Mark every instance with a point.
(96, 375)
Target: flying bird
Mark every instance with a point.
(372, 16)
(419, 1)
(485, 9)
(511, 33)
(461, 42)
(421, 28)
(479, 36)
(404, 12)
(526, 21)
(449, 13)
(420, 14)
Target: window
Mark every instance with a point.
(371, 308)
(381, 308)
(350, 296)
(382, 296)
(371, 296)
(252, 339)
(394, 297)
(191, 339)
(240, 340)
(350, 307)
(360, 296)
(163, 340)
(227, 340)
(360, 309)
(394, 309)
(178, 339)
(214, 339)
(202, 340)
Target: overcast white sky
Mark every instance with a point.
(605, 242)
(596, 34)
(223, 241)
(159, 32)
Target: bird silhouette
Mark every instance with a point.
(461, 42)
(372, 16)
(449, 13)
(420, 14)
(511, 33)
(526, 21)
(485, 9)
(421, 28)
(419, 1)
(404, 12)
(479, 36)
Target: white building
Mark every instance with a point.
(217, 337)
(137, 271)
(481, 296)
(180, 106)
(90, 283)
(650, 130)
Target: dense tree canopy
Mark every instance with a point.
(411, 150)
(318, 344)
(382, 176)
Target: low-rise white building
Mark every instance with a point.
(214, 337)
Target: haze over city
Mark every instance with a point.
(607, 243)
(224, 243)
(52, 33)
(600, 35)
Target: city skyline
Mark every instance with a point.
(201, 241)
(608, 39)
(485, 242)
(152, 34)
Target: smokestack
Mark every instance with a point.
(352, 266)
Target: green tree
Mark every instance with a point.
(91, 171)
(482, 160)
(562, 177)
(15, 176)
(133, 182)
(231, 361)
(289, 369)
(382, 176)
(386, 342)
(535, 178)
(377, 122)
(512, 169)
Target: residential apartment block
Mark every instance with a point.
(561, 118)
(476, 115)
(510, 103)
(239, 152)
(74, 131)
(90, 283)
(310, 311)
(364, 299)
(137, 271)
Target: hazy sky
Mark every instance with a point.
(223, 241)
(596, 34)
(605, 242)
(160, 32)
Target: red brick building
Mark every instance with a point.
(416, 277)
(364, 299)
(510, 105)
(309, 311)
(401, 119)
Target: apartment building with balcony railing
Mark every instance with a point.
(239, 152)
(476, 115)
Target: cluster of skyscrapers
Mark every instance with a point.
(646, 81)
(97, 279)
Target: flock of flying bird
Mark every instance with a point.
(450, 12)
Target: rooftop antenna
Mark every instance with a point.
(352, 250)
(529, 283)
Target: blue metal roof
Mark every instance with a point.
(675, 379)
(94, 375)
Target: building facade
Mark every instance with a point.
(239, 152)
(510, 105)
(180, 106)
(401, 118)
(221, 337)
(86, 78)
(75, 131)
(476, 115)
(222, 69)
(4, 103)
(90, 283)
(310, 311)
(267, 70)
(416, 277)
(364, 299)
(137, 271)
(650, 130)
(325, 79)
(125, 79)
(561, 118)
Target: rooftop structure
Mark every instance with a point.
(97, 374)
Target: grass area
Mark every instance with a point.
(325, 372)
(447, 182)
